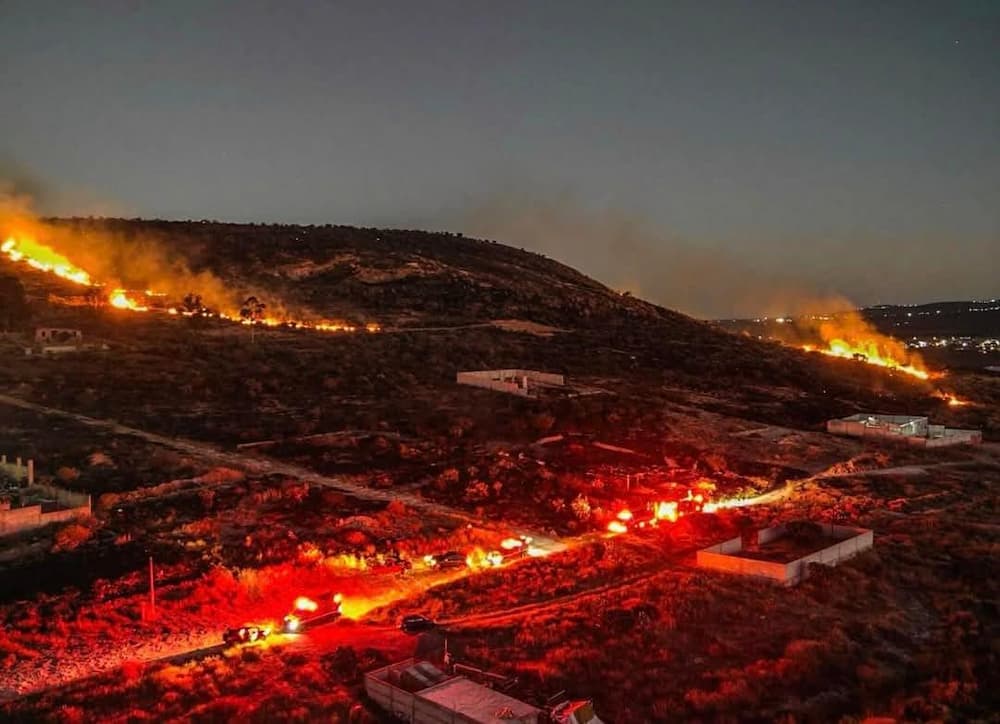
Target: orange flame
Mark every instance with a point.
(45, 259)
(120, 300)
(42, 258)
(951, 399)
(869, 354)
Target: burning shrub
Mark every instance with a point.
(71, 536)
(581, 508)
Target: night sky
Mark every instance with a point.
(717, 157)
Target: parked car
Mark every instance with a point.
(415, 623)
(451, 559)
(245, 635)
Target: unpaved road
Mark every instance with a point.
(263, 466)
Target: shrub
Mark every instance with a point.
(71, 536)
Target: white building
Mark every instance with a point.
(909, 429)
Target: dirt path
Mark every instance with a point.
(263, 466)
(902, 469)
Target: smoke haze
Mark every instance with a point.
(628, 254)
(109, 258)
(716, 280)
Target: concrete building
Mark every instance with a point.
(418, 692)
(774, 556)
(17, 470)
(55, 335)
(525, 383)
(25, 505)
(908, 429)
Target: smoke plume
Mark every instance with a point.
(110, 258)
(628, 253)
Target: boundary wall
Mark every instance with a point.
(512, 381)
(847, 542)
(57, 505)
(911, 430)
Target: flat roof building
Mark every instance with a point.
(778, 554)
(418, 692)
(909, 429)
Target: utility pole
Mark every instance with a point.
(152, 590)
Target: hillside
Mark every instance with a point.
(259, 463)
(399, 277)
(435, 284)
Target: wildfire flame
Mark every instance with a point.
(120, 300)
(951, 399)
(42, 258)
(869, 354)
(671, 510)
(848, 335)
(45, 259)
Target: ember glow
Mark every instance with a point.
(951, 399)
(670, 511)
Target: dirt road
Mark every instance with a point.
(262, 466)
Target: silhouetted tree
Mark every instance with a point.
(192, 304)
(253, 311)
(95, 297)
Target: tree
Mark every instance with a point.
(253, 312)
(192, 305)
(95, 297)
(13, 305)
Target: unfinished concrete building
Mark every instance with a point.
(25, 505)
(18, 470)
(908, 429)
(418, 692)
(525, 383)
(782, 554)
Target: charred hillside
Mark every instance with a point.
(397, 277)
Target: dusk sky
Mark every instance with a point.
(717, 157)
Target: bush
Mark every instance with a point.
(71, 536)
